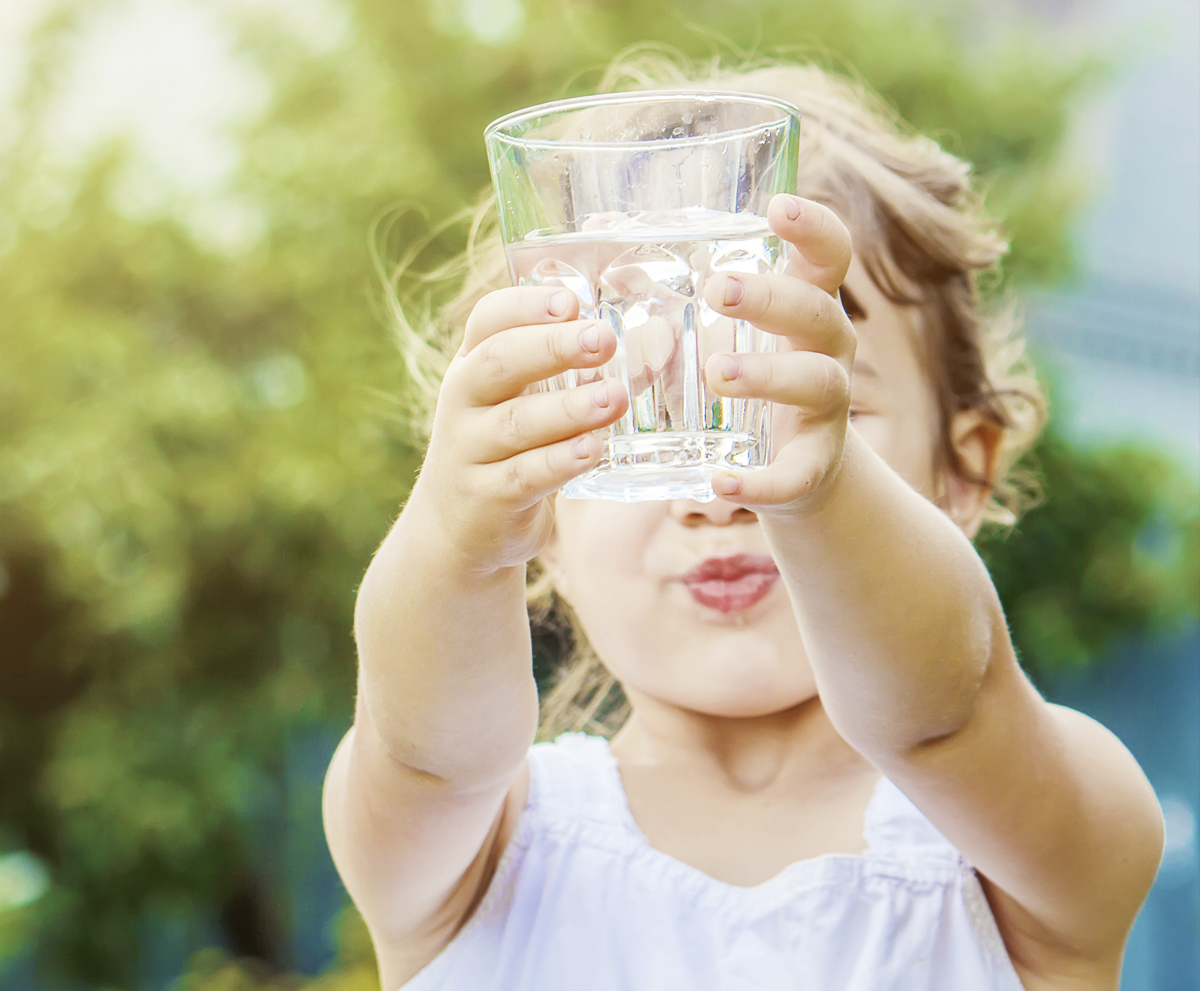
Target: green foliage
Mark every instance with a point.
(199, 456)
(1115, 548)
(354, 969)
(1003, 105)
(193, 477)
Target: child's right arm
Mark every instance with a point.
(415, 796)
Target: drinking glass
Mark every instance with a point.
(633, 201)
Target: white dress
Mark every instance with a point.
(581, 902)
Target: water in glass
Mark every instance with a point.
(644, 274)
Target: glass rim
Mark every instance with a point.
(495, 130)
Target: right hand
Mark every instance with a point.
(499, 450)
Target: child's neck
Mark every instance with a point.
(750, 754)
(697, 786)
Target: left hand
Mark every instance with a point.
(808, 378)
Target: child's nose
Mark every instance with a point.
(715, 513)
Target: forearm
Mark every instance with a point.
(445, 672)
(898, 614)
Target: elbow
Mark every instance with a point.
(448, 750)
(365, 611)
(1148, 856)
(964, 685)
(958, 699)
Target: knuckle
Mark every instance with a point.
(829, 311)
(572, 404)
(516, 477)
(495, 357)
(806, 477)
(803, 309)
(831, 242)
(451, 430)
(451, 393)
(769, 302)
(560, 346)
(471, 327)
(810, 480)
(531, 306)
(828, 227)
(838, 327)
(770, 489)
(554, 459)
(512, 426)
(815, 307)
(483, 312)
(823, 221)
(765, 374)
(473, 487)
(834, 382)
(828, 386)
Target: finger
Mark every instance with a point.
(784, 305)
(796, 472)
(821, 240)
(532, 475)
(505, 364)
(544, 418)
(815, 383)
(517, 306)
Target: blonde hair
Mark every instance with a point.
(924, 239)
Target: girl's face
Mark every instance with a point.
(681, 600)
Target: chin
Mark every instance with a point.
(751, 705)
(732, 665)
(736, 684)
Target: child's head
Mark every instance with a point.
(938, 390)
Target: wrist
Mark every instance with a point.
(472, 545)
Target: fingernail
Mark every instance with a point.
(589, 339)
(600, 395)
(557, 304)
(791, 206)
(726, 485)
(731, 368)
(580, 448)
(733, 290)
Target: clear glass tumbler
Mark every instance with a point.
(632, 201)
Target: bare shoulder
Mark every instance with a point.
(416, 856)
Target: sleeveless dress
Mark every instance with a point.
(581, 902)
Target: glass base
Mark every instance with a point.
(663, 466)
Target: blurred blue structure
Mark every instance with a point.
(1148, 693)
(1125, 345)
(1125, 341)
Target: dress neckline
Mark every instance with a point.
(784, 876)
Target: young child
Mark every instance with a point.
(831, 773)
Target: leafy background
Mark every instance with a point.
(199, 448)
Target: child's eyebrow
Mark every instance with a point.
(851, 303)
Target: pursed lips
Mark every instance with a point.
(731, 584)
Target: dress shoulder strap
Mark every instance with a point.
(575, 777)
(895, 829)
(570, 781)
(894, 826)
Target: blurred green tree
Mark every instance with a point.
(199, 452)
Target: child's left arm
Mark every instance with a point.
(911, 652)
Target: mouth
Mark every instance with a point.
(731, 584)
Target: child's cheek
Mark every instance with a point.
(904, 442)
